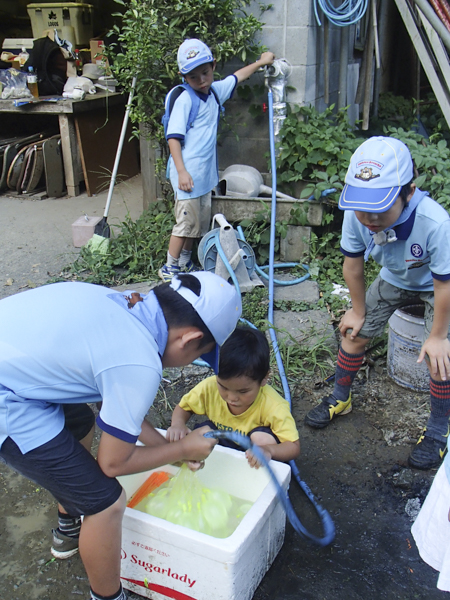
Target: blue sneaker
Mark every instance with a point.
(167, 273)
(189, 267)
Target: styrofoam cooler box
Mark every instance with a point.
(162, 560)
(59, 15)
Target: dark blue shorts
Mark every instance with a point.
(229, 443)
(68, 471)
(79, 419)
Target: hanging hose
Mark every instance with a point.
(348, 13)
(327, 522)
(246, 444)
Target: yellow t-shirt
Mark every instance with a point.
(268, 410)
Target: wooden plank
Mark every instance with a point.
(439, 90)
(438, 47)
(70, 154)
(98, 135)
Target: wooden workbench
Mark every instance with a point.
(90, 131)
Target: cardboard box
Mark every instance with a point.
(161, 560)
(83, 229)
(97, 45)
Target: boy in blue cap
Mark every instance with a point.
(193, 153)
(408, 234)
(76, 343)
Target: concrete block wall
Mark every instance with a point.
(291, 31)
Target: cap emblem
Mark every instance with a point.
(192, 54)
(366, 174)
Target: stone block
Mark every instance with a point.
(308, 328)
(295, 246)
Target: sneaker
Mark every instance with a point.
(63, 546)
(189, 267)
(322, 415)
(428, 452)
(167, 273)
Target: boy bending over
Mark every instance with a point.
(239, 399)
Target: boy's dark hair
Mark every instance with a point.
(246, 352)
(177, 311)
(405, 192)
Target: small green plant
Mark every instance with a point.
(431, 160)
(316, 149)
(255, 307)
(134, 255)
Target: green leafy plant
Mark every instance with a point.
(315, 149)
(148, 34)
(134, 255)
(431, 160)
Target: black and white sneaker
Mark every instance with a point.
(63, 546)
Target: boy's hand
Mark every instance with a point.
(195, 446)
(185, 181)
(253, 461)
(195, 465)
(437, 354)
(176, 433)
(353, 321)
(266, 58)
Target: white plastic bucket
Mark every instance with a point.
(406, 327)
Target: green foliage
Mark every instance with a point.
(135, 255)
(255, 307)
(148, 35)
(316, 149)
(432, 161)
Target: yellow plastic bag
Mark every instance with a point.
(184, 501)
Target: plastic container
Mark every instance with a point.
(83, 229)
(60, 16)
(32, 82)
(406, 328)
(161, 560)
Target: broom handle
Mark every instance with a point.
(120, 146)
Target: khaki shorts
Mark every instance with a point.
(383, 299)
(192, 216)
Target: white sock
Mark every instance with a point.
(171, 261)
(185, 257)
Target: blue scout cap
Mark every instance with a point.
(378, 169)
(193, 53)
(218, 305)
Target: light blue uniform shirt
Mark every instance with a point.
(421, 252)
(70, 343)
(199, 151)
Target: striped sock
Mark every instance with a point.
(69, 525)
(437, 425)
(347, 367)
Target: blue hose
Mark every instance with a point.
(243, 441)
(328, 524)
(348, 13)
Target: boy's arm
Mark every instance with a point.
(353, 271)
(178, 430)
(266, 58)
(117, 457)
(283, 452)
(437, 346)
(185, 181)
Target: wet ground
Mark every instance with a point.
(357, 468)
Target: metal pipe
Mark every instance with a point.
(275, 78)
(435, 22)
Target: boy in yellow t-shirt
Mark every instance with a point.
(239, 399)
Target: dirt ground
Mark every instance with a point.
(357, 469)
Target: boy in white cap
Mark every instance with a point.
(72, 343)
(193, 154)
(408, 234)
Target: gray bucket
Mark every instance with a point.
(406, 328)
